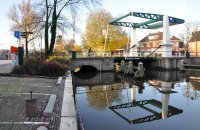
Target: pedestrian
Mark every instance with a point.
(89, 52)
(111, 53)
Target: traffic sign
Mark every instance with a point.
(25, 34)
(17, 34)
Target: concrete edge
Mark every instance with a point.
(68, 112)
(50, 106)
(59, 81)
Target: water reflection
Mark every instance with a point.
(85, 79)
(192, 90)
(155, 115)
(110, 97)
(100, 97)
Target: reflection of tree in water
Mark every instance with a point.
(192, 90)
(100, 98)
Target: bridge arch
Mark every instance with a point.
(86, 68)
(100, 64)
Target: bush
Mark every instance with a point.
(33, 65)
(18, 70)
(55, 66)
(60, 59)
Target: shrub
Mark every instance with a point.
(52, 68)
(59, 59)
(35, 65)
(18, 70)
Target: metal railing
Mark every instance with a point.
(146, 54)
(154, 50)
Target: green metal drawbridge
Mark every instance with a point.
(154, 21)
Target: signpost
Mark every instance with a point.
(20, 51)
(17, 56)
(17, 34)
(25, 34)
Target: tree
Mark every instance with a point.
(25, 19)
(54, 17)
(72, 46)
(77, 48)
(100, 99)
(60, 44)
(95, 34)
(190, 27)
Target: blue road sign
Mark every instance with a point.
(17, 34)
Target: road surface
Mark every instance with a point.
(5, 66)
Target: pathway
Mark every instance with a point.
(5, 66)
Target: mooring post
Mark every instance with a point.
(130, 68)
(122, 66)
(140, 72)
(181, 66)
(31, 106)
(140, 66)
(31, 94)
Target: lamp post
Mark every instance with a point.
(195, 36)
(196, 42)
(106, 36)
(187, 50)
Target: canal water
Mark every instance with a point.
(164, 100)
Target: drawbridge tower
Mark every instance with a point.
(150, 21)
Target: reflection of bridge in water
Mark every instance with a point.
(105, 78)
(156, 115)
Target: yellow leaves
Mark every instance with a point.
(95, 35)
(77, 48)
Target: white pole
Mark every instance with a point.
(133, 93)
(167, 46)
(166, 87)
(106, 38)
(20, 45)
(133, 51)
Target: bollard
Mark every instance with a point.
(31, 107)
(122, 68)
(129, 68)
(117, 67)
(140, 66)
(181, 66)
(140, 72)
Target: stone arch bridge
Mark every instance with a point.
(101, 64)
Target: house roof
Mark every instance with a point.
(157, 37)
(195, 36)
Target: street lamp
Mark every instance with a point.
(106, 36)
(187, 50)
(195, 35)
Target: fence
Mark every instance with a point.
(135, 54)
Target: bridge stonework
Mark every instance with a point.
(101, 64)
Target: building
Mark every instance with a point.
(152, 43)
(59, 47)
(4, 54)
(194, 44)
